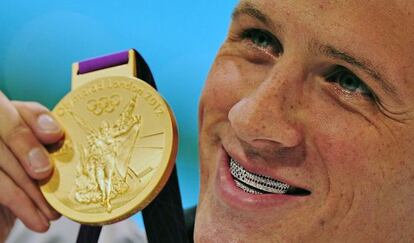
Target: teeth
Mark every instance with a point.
(247, 188)
(248, 181)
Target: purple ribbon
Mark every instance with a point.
(103, 62)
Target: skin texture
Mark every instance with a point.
(274, 108)
(20, 133)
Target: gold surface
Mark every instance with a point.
(119, 150)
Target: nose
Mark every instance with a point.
(266, 116)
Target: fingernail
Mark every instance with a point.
(47, 123)
(39, 160)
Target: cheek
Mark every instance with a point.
(220, 91)
(354, 148)
(347, 144)
(217, 99)
(342, 153)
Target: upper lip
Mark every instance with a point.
(264, 171)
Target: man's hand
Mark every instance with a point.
(25, 127)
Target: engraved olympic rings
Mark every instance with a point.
(104, 104)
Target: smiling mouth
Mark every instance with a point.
(260, 184)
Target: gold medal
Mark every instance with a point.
(118, 153)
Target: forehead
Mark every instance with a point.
(399, 7)
(390, 17)
(381, 30)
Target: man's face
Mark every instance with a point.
(314, 99)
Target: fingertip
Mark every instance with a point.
(41, 121)
(50, 138)
(42, 174)
(55, 216)
(37, 222)
(48, 130)
(51, 213)
(44, 224)
(41, 228)
(40, 164)
(47, 123)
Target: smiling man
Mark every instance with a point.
(306, 128)
(307, 125)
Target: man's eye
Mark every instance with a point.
(349, 81)
(263, 39)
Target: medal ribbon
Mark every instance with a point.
(163, 217)
(99, 63)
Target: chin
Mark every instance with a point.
(214, 226)
(216, 221)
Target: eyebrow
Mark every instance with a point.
(251, 10)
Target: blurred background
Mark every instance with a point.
(40, 40)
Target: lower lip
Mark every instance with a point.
(236, 198)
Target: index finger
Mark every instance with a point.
(46, 129)
(22, 142)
